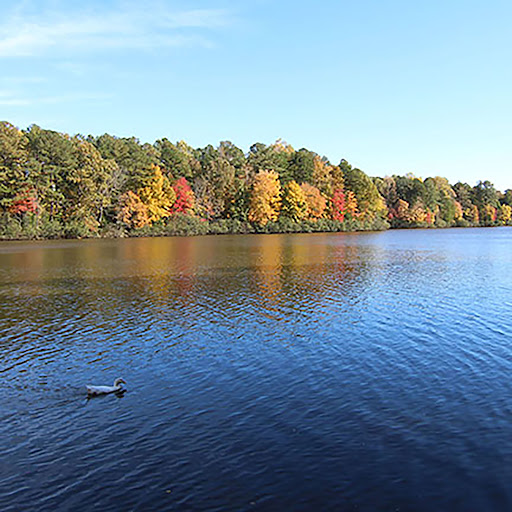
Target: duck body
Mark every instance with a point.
(105, 390)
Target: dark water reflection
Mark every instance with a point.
(277, 372)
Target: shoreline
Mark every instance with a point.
(162, 232)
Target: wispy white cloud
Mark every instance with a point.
(71, 67)
(124, 26)
(11, 99)
(73, 98)
(21, 80)
(14, 102)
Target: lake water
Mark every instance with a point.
(278, 372)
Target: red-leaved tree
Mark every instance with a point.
(338, 205)
(24, 203)
(184, 197)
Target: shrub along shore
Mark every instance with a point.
(54, 185)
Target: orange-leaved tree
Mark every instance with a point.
(351, 205)
(459, 212)
(400, 211)
(132, 211)
(315, 200)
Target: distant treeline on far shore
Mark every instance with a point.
(53, 185)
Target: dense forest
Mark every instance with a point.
(55, 185)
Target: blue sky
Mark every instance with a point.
(392, 86)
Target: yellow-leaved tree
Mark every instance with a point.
(417, 214)
(265, 199)
(294, 205)
(488, 213)
(472, 214)
(504, 214)
(158, 196)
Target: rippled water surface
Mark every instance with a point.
(276, 372)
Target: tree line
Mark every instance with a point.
(55, 185)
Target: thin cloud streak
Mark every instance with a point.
(17, 80)
(8, 99)
(14, 102)
(131, 28)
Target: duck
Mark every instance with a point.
(105, 390)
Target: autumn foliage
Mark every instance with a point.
(294, 205)
(504, 214)
(265, 199)
(158, 196)
(61, 185)
(26, 202)
(184, 202)
(315, 201)
(132, 211)
(338, 205)
(344, 204)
